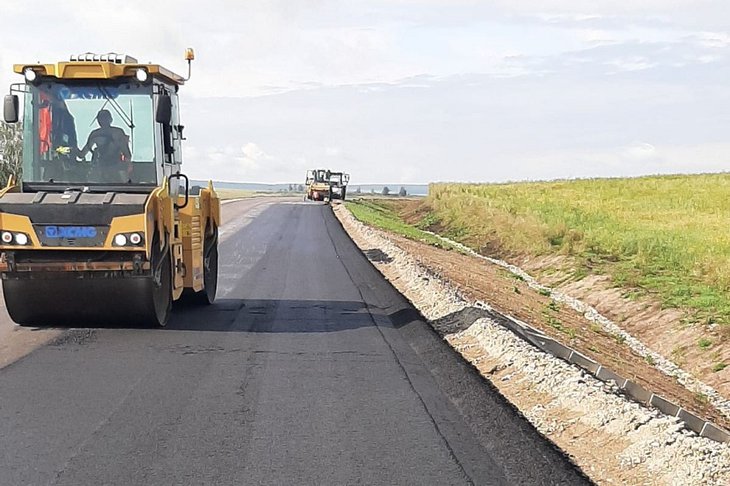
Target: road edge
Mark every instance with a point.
(486, 412)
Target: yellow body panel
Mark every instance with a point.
(120, 224)
(198, 220)
(185, 230)
(321, 187)
(18, 223)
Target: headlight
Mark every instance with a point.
(141, 75)
(10, 238)
(30, 75)
(128, 239)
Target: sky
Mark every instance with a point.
(406, 91)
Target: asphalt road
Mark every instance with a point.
(310, 369)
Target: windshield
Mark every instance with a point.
(81, 134)
(336, 178)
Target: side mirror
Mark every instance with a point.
(10, 108)
(164, 110)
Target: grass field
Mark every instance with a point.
(234, 193)
(664, 236)
(374, 213)
(668, 236)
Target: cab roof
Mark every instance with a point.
(94, 66)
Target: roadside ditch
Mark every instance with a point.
(612, 437)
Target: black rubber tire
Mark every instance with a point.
(210, 269)
(161, 295)
(206, 296)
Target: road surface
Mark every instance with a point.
(309, 369)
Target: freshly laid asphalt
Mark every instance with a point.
(309, 369)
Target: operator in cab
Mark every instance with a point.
(111, 158)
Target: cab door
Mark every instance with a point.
(169, 132)
(168, 126)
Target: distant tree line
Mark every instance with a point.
(385, 192)
(401, 193)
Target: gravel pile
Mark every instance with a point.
(642, 445)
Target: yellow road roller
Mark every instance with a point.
(317, 185)
(102, 227)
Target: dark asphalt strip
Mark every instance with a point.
(488, 436)
(309, 369)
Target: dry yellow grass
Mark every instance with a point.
(665, 235)
(234, 193)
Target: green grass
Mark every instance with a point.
(224, 194)
(379, 216)
(664, 236)
(702, 398)
(704, 343)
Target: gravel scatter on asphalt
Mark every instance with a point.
(610, 437)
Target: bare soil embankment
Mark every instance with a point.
(612, 438)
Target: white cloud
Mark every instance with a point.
(718, 40)
(332, 151)
(228, 163)
(640, 151)
(634, 63)
(253, 155)
(405, 90)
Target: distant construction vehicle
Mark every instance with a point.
(325, 185)
(317, 185)
(115, 237)
(338, 185)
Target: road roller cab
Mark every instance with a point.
(101, 227)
